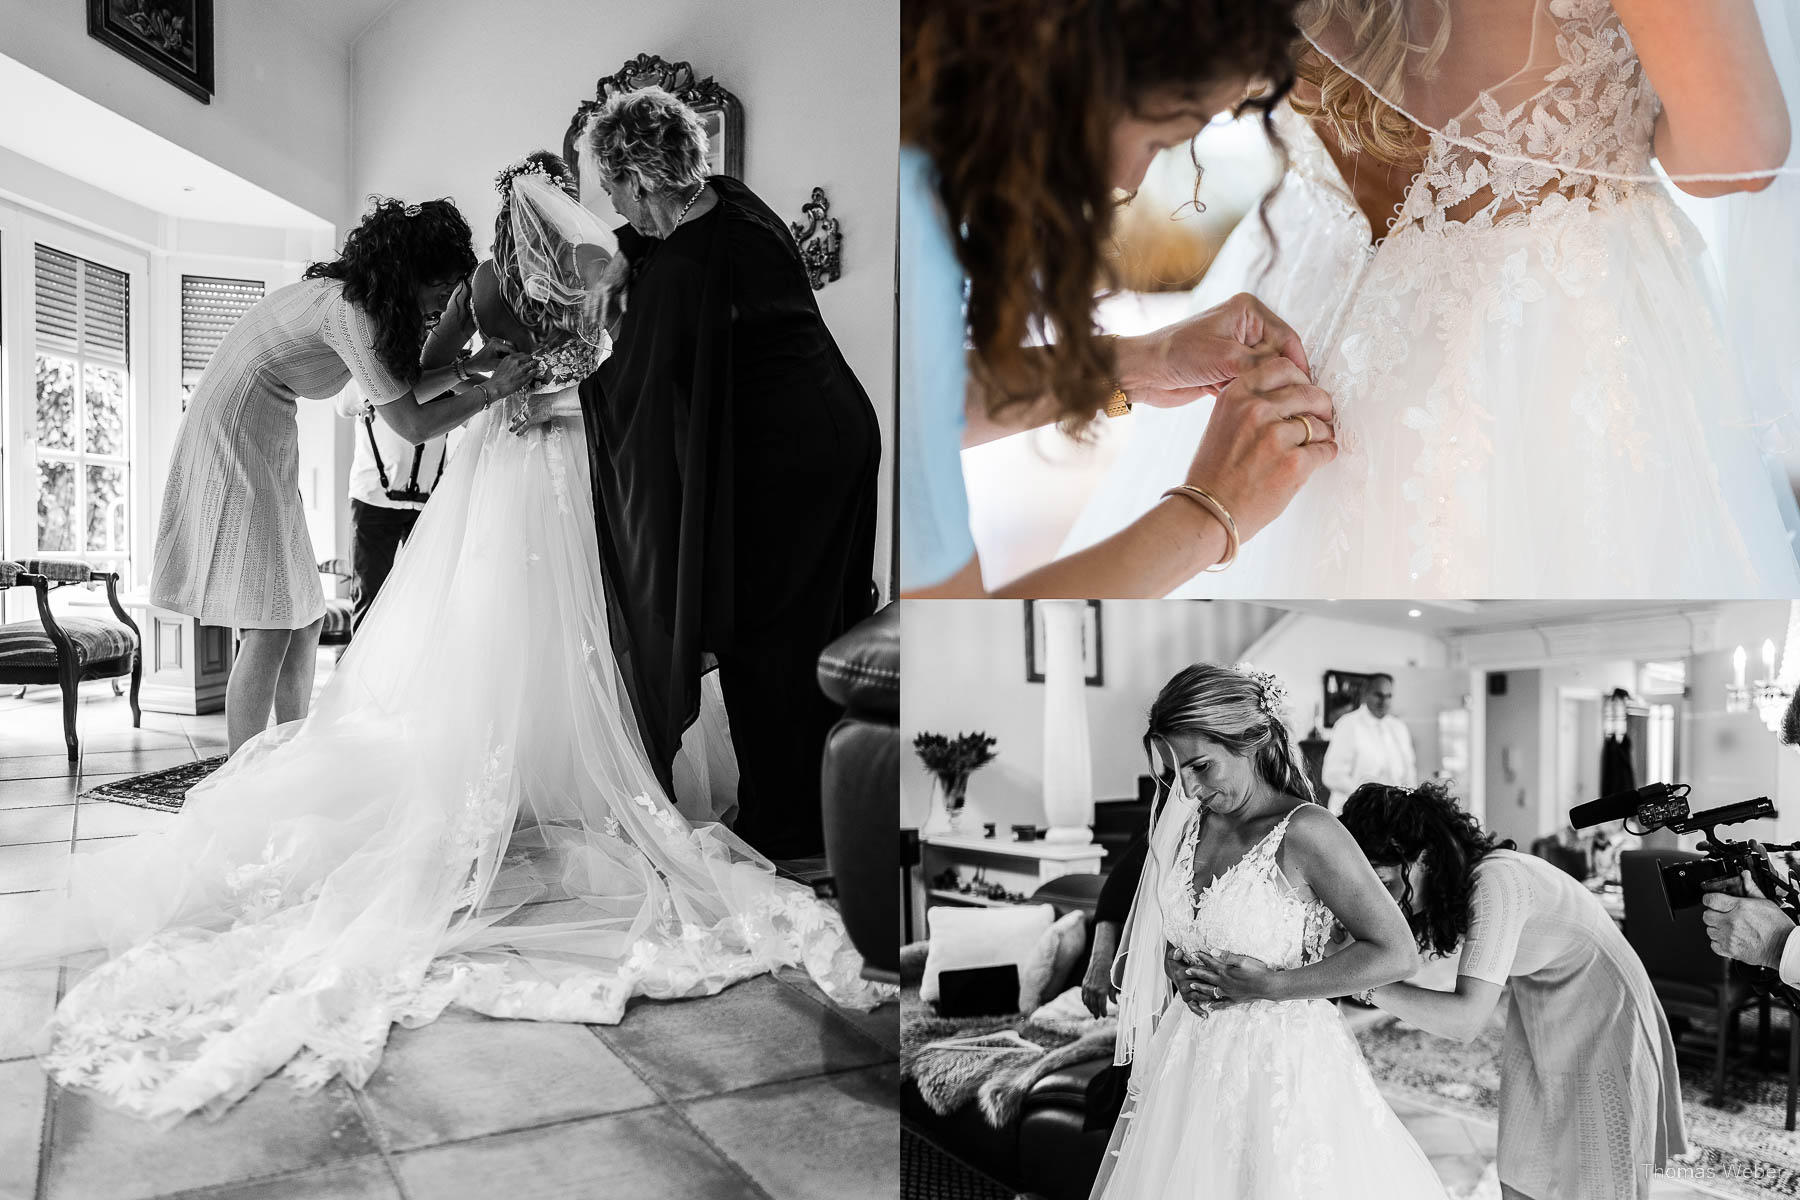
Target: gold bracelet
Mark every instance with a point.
(1118, 404)
(1210, 503)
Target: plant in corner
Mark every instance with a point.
(951, 761)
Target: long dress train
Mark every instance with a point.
(466, 818)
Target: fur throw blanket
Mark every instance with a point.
(988, 1066)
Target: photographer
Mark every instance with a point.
(1590, 1100)
(1747, 926)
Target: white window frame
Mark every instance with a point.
(21, 231)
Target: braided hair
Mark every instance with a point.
(1238, 709)
(395, 250)
(1398, 826)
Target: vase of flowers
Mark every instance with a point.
(951, 761)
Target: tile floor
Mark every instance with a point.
(765, 1091)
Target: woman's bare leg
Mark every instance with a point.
(293, 692)
(251, 689)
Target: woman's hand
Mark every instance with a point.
(529, 412)
(1195, 357)
(1256, 452)
(1096, 984)
(1190, 993)
(516, 371)
(1236, 977)
(607, 297)
(491, 355)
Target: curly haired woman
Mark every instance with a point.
(1590, 1102)
(1021, 120)
(232, 546)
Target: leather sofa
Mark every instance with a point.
(1044, 1153)
(860, 786)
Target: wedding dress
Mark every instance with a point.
(1264, 1100)
(466, 818)
(1534, 390)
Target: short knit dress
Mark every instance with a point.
(232, 546)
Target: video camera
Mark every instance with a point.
(1665, 806)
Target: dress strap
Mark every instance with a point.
(1271, 841)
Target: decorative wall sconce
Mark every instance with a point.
(820, 241)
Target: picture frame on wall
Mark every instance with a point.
(171, 38)
(721, 113)
(1343, 693)
(1093, 656)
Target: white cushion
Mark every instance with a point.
(1053, 959)
(982, 937)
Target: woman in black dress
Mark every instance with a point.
(734, 457)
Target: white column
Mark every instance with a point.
(1068, 764)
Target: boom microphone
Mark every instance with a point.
(1620, 806)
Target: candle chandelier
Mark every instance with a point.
(1770, 694)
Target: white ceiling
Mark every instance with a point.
(1438, 618)
(137, 165)
(343, 21)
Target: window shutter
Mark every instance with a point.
(209, 308)
(82, 307)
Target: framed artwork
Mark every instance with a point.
(720, 112)
(1343, 693)
(1093, 659)
(173, 38)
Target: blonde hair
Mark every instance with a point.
(1361, 121)
(1232, 708)
(650, 136)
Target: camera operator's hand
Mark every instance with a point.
(1749, 928)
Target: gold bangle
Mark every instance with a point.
(1210, 503)
(1118, 404)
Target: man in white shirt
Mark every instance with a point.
(1369, 745)
(390, 480)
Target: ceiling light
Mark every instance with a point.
(1413, 612)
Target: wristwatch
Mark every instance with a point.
(1117, 405)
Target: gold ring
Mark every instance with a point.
(1305, 423)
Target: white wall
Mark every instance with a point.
(449, 91)
(965, 671)
(1304, 648)
(280, 113)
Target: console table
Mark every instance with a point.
(1017, 866)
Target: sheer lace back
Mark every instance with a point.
(1521, 101)
(1249, 909)
(1588, 109)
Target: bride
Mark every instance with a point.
(1536, 393)
(466, 817)
(1248, 1084)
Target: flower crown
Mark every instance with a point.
(525, 166)
(1271, 693)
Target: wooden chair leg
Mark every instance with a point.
(1762, 1030)
(1723, 1021)
(71, 690)
(1793, 1079)
(137, 677)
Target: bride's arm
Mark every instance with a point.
(1723, 111)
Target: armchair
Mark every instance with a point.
(68, 650)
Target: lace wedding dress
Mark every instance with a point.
(466, 818)
(1534, 389)
(1266, 1100)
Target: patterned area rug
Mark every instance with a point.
(1739, 1149)
(927, 1173)
(162, 791)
